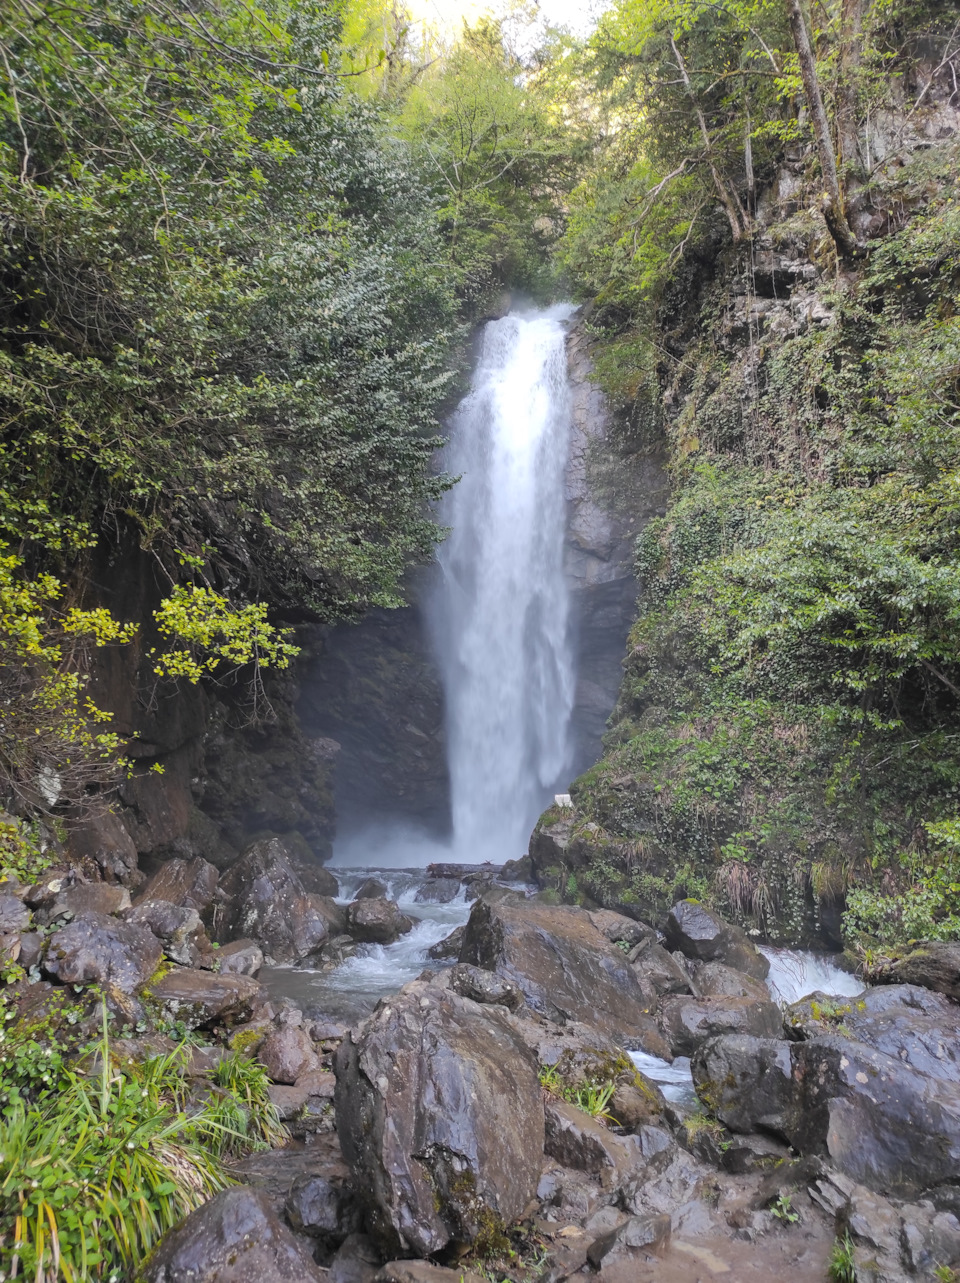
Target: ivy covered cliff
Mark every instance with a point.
(780, 305)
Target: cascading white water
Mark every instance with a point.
(500, 615)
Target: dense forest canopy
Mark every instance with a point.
(242, 248)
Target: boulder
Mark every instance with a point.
(356, 1260)
(915, 1026)
(287, 1053)
(333, 914)
(88, 897)
(203, 998)
(449, 947)
(579, 1051)
(634, 1240)
(620, 929)
(583, 1143)
(371, 889)
(240, 958)
(265, 900)
(323, 1208)
(881, 1122)
(933, 965)
(235, 1238)
(484, 986)
(699, 933)
(658, 971)
(191, 884)
(716, 980)
(14, 915)
(687, 1022)
(424, 1272)
(440, 1117)
(31, 949)
(184, 937)
(747, 1082)
(105, 840)
(376, 921)
(100, 949)
(438, 891)
(316, 879)
(563, 965)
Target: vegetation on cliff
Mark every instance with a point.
(787, 734)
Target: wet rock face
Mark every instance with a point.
(235, 1238)
(563, 965)
(99, 949)
(934, 965)
(440, 1118)
(879, 1121)
(915, 1026)
(376, 921)
(204, 998)
(703, 935)
(106, 841)
(264, 899)
(323, 1208)
(191, 884)
(687, 1022)
(184, 936)
(484, 987)
(371, 889)
(286, 1053)
(438, 891)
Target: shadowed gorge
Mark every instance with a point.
(479, 641)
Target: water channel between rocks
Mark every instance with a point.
(351, 991)
(500, 622)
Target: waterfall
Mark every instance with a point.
(500, 614)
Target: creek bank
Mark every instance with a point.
(483, 1110)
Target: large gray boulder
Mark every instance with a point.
(564, 966)
(915, 1026)
(687, 1022)
(440, 1117)
(935, 964)
(235, 1238)
(183, 935)
(881, 1122)
(100, 949)
(263, 899)
(204, 998)
(703, 935)
(374, 920)
(191, 884)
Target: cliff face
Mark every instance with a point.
(374, 686)
(612, 493)
(225, 775)
(774, 746)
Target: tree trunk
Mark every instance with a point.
(725, 198)
(851, 36)
(832, 200)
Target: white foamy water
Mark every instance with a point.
(352, 990)
(673, 1078)
(500, 615)
(794, 973)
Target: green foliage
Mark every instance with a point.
(591, 1096)
(97, 1168)
(843, 1266)
(53, 744)
(782, 1209)
(25, 851)
(226, 313)
(787, 725)
(493, 139)
(217, 634)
